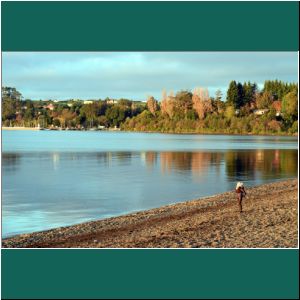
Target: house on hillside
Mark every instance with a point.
(50, 106)
(260, 112)
(88, 102)
(111, 101)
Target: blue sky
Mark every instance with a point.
(136, 75)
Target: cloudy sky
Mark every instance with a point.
(136, 75)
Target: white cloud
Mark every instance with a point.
(134, 75)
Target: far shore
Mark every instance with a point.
(213, 133)
(56, 129)
(19, 128)
(269, 220)
(159, 132)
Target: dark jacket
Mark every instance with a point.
(240, 190)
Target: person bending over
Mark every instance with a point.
(241, 193)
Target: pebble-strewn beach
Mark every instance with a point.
(269, 220)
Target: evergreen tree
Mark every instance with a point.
(218, 96)
(249, 92)
(233, 94)
(240, 99)
(279, 89)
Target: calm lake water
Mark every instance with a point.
(57, 178)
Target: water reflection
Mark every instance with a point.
(151, 158)
(10, 162)
(238, 164)
(55, 159)
(43, 189)
(248, 165)
(10, 159)
(195, 162)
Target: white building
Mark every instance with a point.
(260, 112)
(88, 102)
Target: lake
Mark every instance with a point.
(58, 178)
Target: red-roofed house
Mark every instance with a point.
(50, 106)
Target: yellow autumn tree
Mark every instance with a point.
(202, 104)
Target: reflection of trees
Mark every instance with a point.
(273, 163)
(289, 162)
(242, 165)
(203, 160)
(175, 160)
(151, 158)
(197, 162)
(123, 156)
(267, 162)
(10, 161)
(55, 160)
(108, 157)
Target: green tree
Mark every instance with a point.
(290, 106)
(279, 89)
(183, 103)
(115, 115)
(240, 98)
(8, 109)
(56, 122)
(89, 111)
(232, 98)
(103, 121)
(125, 103)
(250, 90)
(229, 112)
(217, 103)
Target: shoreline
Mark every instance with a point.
(269, 220)
(213, 133)
(17, 128)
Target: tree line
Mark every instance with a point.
(68, 114)
(246, 110)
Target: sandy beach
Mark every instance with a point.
(19, 128)
(269, 220)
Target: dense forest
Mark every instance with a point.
(245, 110)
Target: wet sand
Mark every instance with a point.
(269, 220)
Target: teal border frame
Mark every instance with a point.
(150, 26)
(150, 273)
